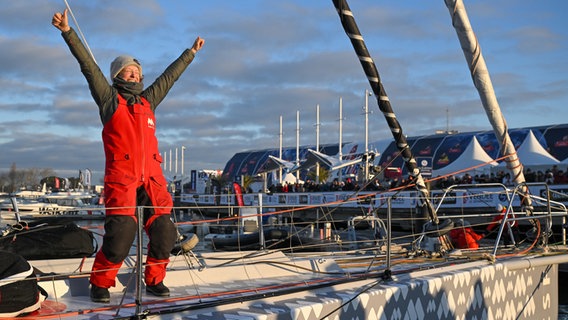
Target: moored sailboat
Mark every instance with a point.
(430, 280)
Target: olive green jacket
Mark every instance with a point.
(105, 94)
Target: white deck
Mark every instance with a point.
(272, 285)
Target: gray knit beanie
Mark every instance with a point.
(120, 63)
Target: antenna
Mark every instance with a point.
(447, 120)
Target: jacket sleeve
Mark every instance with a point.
(158, 90)
(100, 89)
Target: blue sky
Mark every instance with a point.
(263, 59)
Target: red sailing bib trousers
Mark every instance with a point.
(133, 172)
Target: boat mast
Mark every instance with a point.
(367, 94)
(482, 81)
(340, 137)
(317, 142)
(297, 144)
(352, 31)
(280, 152)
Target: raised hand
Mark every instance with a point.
(198, 44)
(60, 21)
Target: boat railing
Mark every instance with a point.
(14, 202)
(553, 194)
(547, 210)
(548, 214)
(511, 198)
(377, 226)
(448, 191)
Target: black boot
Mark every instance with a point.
(99, 294)
(158, 290)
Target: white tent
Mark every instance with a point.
(532, 153)
(473, 158)
(287, 178)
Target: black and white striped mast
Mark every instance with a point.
(352, 31)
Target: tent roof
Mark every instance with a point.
(473, 157)
(531, 152)
(330, 163)
(275, 163)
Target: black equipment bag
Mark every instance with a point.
(49, 241)
(19, 291)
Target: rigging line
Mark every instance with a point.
(357, 295)
(189, 264)
(128, 283)
(79, 29)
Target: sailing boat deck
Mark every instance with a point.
(493, 282)
(273, 285)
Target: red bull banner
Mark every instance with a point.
(238, 194)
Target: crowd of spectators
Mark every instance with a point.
(312, 186)
(349, 184)
(550, 176)
(554, 175)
